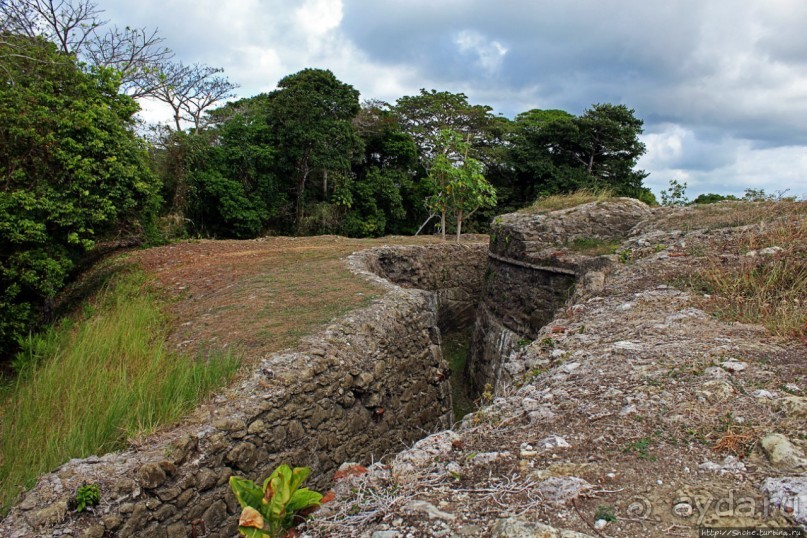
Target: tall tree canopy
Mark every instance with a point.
(71, 171)
(425, 115)
(310, 117)
(553, 151)
(385, 195)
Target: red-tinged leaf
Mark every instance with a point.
(355, 470)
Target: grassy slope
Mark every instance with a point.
(124, 365)
(86, 387)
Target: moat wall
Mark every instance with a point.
(364, 388)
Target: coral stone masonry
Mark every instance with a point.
(611, 404)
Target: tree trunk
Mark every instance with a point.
(325, 184)
(443, 224)
(459, 224)
(300, 192)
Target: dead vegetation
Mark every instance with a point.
(260, 296)
(760, 276)
(564, 201)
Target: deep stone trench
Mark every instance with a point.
(487, 309)
(364, 388)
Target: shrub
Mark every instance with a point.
(275, 508)
(71, 171)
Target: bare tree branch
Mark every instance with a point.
(67, 23)
(191, 89)
(76, 28)
(18, 18)
(135, 53)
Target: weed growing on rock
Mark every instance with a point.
(278, 506)
(766, 285)
(87, 495)
(555, 202)
(640, 448)
(593, 246)
(606, 513)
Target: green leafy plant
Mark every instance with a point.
(547, 343)
(675, 195)
(640, 448)
(273, 509)
(87, 495)
(606, 513)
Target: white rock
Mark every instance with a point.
(561, 489)
(486, 458)
(762, 393)
(570, 367)
(530, 404)
(600, 524)
(543, 414)
(517, 527)
(625, 344)
(429, 509)
(734, 366)
(789, 494)
(554, 441)
(782, 453)
(715, 372)
(557, 353)
(730, 465)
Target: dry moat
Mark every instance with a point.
(606, 396)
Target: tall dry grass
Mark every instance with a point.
(555, 202)
(769, 289)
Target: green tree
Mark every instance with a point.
(675, 194)
(310, 117)
(459, 185)
(222, 178)
(426, 115)
(71, 172)
(386, 195)
(538, 152)
(609, 147)
(555, 152)
(712, 198)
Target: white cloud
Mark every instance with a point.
(722, 85)
(744, 166)
(489, 53)
(317, 17)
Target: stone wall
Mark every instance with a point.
(531, 273)
(365, 387)
(457, 286)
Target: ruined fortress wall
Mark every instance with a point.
(365, 387)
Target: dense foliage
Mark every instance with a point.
(71, 172)
(306, 158)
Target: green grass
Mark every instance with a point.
(456, 348)
(593, 246)
(85, 387)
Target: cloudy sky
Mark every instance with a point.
(720, 84)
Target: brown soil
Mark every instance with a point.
(258, 296)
